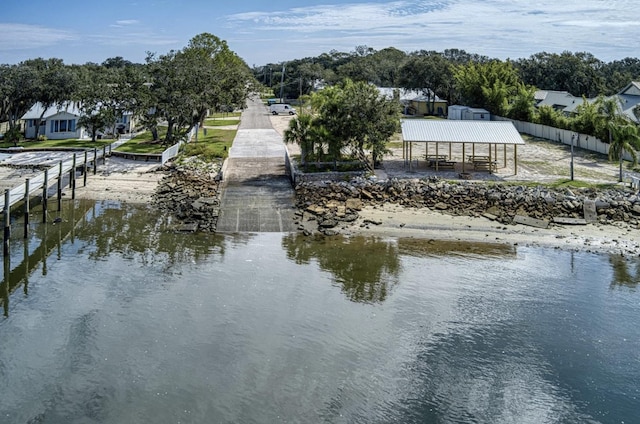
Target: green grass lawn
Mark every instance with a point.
(220, 122)
(224, 115)
(53, 144)
(215, 144)
(143, 143)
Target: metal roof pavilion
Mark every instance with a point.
(489, 133)
(447, 131)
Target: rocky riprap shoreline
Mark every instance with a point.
(190, 194)
(336, 204)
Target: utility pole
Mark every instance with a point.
(282, 84)
(572, 138)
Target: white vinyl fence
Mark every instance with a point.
(583, 141)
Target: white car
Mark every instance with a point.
(278, 108)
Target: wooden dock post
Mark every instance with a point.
(26, 208)
(104, 154)
(72, 176)
(84, 170)
(7, 222)
(95, 160)
(45, 195)
(60, 188)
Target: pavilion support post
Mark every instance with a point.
(436, 156)
(473, 149)
(515, 159)
(504, 154)
(410, 156)
(490, 159)
(463, 146)
(450, 155)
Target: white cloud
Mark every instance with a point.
(128, 22)
(500, 28)
(21, 36)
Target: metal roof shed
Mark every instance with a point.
(492, 133)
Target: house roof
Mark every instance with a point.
(557, 99)
(447, 131)
(632, 89)
(36, 110)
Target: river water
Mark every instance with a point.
(110, 317)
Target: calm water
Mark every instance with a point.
(115, 319)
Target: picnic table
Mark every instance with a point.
(483, 162)
(433, 159)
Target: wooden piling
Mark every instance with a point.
(45, 195)
(26, 208)
(104, 154)
(95, 161)
(7, 222)
(72, 176)
(84, 170)
(60, 188)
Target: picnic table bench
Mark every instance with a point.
(432, 159)
(445, 164)
(483, 162)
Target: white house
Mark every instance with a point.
(466, 113)
(61, 122)
(58, 122)
(629, 98)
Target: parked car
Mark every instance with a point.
(278, 108)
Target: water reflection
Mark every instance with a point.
(626, 272)
(422, 248)
(366, 268)
(102, 229)
(114, 227)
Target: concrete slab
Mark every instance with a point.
(256, 194)
(257, 143)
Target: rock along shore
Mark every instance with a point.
(331, 203)
(190, 193)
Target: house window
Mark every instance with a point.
(63, 125)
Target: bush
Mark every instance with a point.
(13, 135)
(42, 137)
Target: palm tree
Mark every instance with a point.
(301, 132)
(623, 137)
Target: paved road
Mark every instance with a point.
(257, 195)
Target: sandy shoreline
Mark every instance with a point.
(122, 180)
(396, 221)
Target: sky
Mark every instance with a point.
(275, 31)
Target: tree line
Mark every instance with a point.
(503, 87)
(580, 73)
(175, 90)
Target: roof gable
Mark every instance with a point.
(633, 89)
(36, 111)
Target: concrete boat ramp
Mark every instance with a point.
(256, 193)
